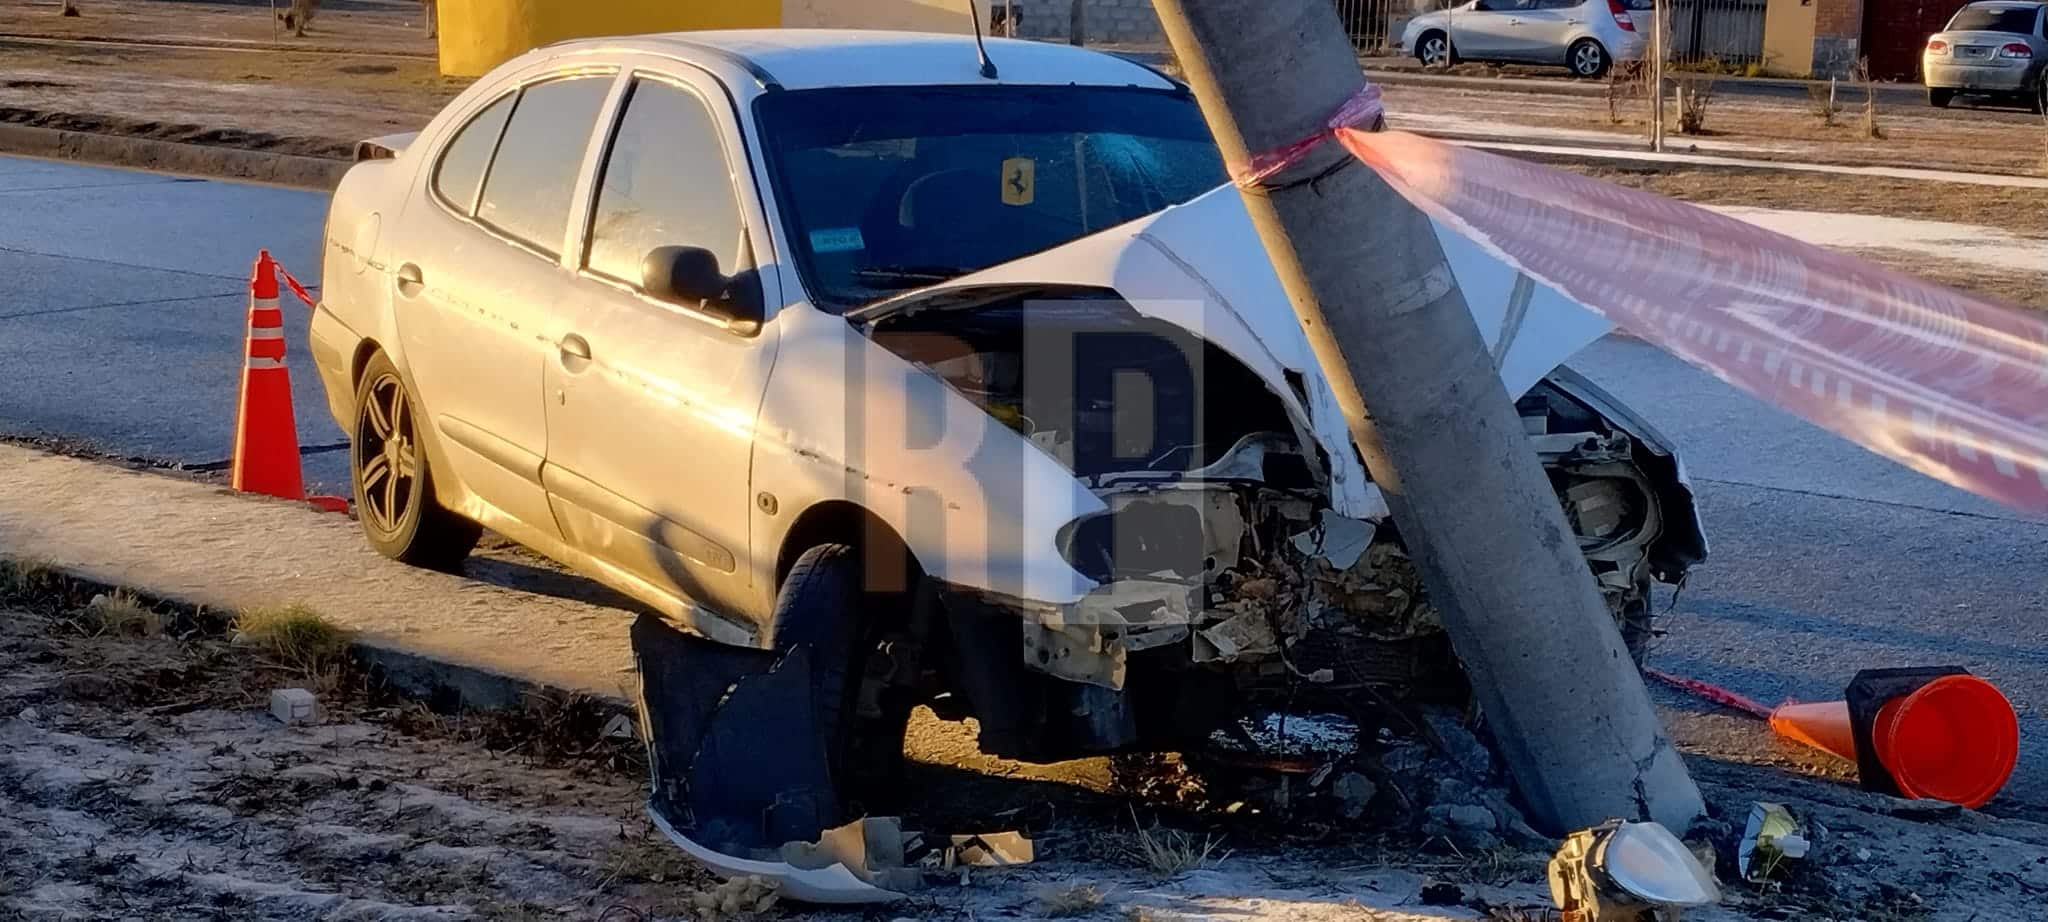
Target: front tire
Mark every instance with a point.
(1940, 98)
(1434, 49)
(823, 605)
(394, 486)
(1587, 59)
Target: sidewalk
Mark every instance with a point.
(517, 624)
(1690, 159)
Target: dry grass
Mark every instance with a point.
(27, 578)
(1170, 852)
(1695, 96)
(1823, 102)
(2016, 211)
(1070, 901)
(2026, 289)
(121, 614)
(295, 636)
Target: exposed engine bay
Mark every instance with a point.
(1223, 574)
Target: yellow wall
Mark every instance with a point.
(915, 15)
(477, 35)
(1788, 38)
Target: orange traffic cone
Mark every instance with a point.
(1952, 737)
(266, 456)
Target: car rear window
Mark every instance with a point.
(464, 159)
(2018, 20)
(533, 177)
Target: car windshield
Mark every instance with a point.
(2018, 20)
(886, 189)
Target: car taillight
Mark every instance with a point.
(1621, 17)
(1937, 46)
(2016, 50)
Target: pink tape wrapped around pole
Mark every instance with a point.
(1952, 385)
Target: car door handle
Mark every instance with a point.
(410, 280)
(575, 352)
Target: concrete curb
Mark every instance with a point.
(316, 173)
(443, 686)
(1534, 86)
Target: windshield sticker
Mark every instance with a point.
(1020, 181)
(837, 240)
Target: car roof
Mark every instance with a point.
(799, 59)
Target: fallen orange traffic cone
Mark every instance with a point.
(1940, 734)
(1936, 734)
(266, 458)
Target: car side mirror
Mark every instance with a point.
(690, 276)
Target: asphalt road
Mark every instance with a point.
(121, 300)
(123, 304)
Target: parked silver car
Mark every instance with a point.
(1587, 36)
(1997, 49)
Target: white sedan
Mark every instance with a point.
(966, 386)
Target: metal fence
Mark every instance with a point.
(1374, 25)
(1705, 33)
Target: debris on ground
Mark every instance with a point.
(1628, 872)
(1770, 838)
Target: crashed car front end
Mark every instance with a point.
(1241, 556)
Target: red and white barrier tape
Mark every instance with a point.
(1949, 384)
(293, 284)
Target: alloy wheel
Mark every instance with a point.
(1587, 59)
(388, 454)
(1434, 51)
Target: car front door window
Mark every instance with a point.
(666, 183)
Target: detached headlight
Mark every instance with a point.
(1627, 872)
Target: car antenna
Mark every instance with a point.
(988, 67)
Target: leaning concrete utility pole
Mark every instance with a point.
(1369, 283)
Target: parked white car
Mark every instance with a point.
(1586, 36)
(1993, 49)
(972, 389)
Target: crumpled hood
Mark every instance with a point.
(1201, 267)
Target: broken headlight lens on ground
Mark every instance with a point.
(1627, 872)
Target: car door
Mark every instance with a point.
(651, 404)
(1486, 29)
(476, 270)
(1544, 28)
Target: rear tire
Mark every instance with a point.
(2041, 96)
(1587, 59)
(394, 484)
(1940, 98)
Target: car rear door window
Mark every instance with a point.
(665, 183)
(464, 159)
(533, 177)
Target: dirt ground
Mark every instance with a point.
(127, 67)
(2015, 211)
(141, 777)
(379, 26)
